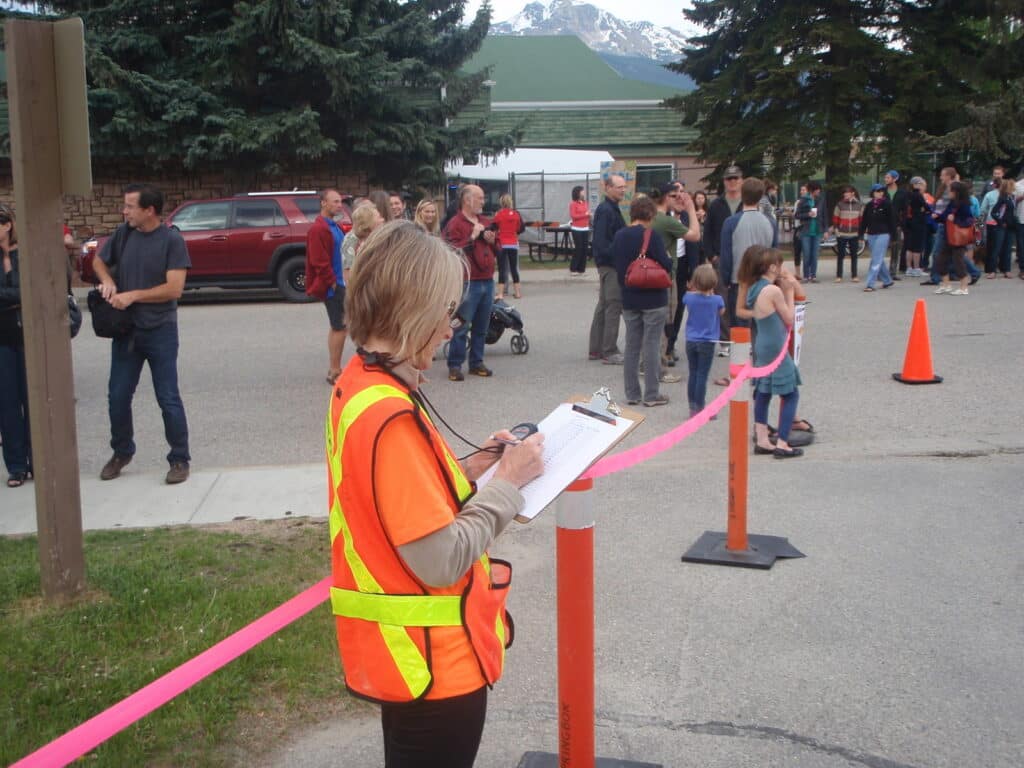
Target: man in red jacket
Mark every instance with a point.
(324, 279)
(470, 232)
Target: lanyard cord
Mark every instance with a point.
(420, 396)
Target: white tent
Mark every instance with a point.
(540, 180)
(575, 162)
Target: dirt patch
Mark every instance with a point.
(38, 605)
(274, 723)
(283, 530)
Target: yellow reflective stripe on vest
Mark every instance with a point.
(463, 488)
(353, 410)
(398, 610)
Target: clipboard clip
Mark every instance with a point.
(600, 406)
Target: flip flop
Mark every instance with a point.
(722, 382)
(869, 290)
(808, 428)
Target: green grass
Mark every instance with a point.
(155, 599)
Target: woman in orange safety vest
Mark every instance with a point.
(419, 605)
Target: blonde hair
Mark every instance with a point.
(434, 228)
(505, 201)
(401, 287)
(363, 220)
(1007, 187)
(704, 278)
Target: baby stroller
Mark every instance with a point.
(505, 316)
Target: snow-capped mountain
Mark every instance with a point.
(600, 30)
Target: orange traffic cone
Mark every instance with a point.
(917, 364)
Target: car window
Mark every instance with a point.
(310, 207)
(199, 216)
(258, 213)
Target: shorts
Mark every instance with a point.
(336, 308)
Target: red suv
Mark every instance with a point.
(255, 240)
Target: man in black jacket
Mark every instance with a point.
(720, 209)
(604, 328)
(898, 198)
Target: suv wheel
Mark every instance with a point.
(291, 278)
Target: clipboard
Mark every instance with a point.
(577, 434)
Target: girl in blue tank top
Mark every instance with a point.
(769, 296)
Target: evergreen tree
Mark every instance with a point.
(791, 88)
(260, 85)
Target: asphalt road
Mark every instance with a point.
(898, 641)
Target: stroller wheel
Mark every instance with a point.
(520, 344)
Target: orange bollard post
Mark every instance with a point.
(575, 552)
(739, 428)
(574, 545)
(736, 547)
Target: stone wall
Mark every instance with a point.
(101, 213)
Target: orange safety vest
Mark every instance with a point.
(389, 623)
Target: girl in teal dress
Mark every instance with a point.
(769, 297)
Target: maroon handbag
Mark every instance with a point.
(646, 273)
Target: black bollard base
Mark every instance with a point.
(548, 760)
(762, 553)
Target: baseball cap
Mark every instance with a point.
(895, 175)
(877, 187)
(667, 188)
(732, 172)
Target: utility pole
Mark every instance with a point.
(49, 122)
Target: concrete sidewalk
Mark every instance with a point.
(209, 496)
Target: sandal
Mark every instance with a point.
(808, 427)
(332, 377)
(792, 453)
(17, 479)
(869, 290)
(722, 382)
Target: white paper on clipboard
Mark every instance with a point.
(572, 441)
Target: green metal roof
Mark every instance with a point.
(555, 68)
(623, 132)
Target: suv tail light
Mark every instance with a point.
(85, 257)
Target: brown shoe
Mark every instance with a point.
(178, 473)
(113, 467)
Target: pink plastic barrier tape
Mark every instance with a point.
(90, 734)
(94, 732)
(626, 459)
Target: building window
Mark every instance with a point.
(650, 177)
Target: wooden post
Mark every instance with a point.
(43, 169)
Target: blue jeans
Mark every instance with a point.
(699, 356)
(878, 245)
(17, 448)
(158, 347)
(644, 328)
(475, 312)
(809, 244)
(787, 410)
(998, 250)
(937, 245)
